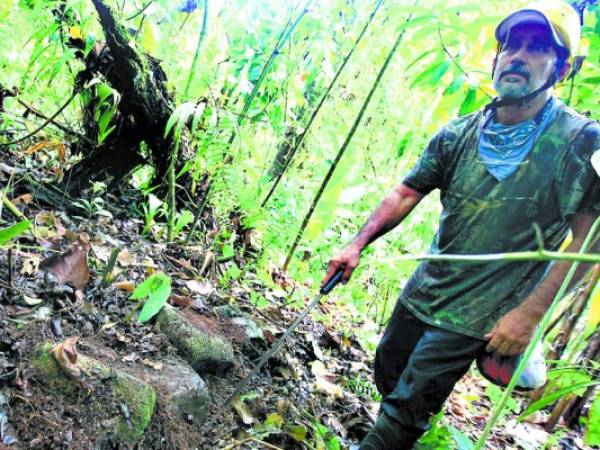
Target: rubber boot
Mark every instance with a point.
(387, 434)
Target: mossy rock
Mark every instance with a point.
(203, 349)
(137, 395)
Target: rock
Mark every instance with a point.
(204, 348)
(250, 329)
(138, 397)
(180, 390)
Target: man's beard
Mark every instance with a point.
(510, 90)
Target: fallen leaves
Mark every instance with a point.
(65, 354)
(70, 267)
(126, 285)
(125, 259)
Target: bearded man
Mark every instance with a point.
(520, 165)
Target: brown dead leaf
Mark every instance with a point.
(128, 286)
(71, 236)
(25, 198)
(178, 300)
(65, 354)
(71, 266)
(125, 259)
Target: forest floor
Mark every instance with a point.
(317, 392)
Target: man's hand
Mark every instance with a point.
(347, 259)
(512, 333)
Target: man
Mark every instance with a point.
(521, 165)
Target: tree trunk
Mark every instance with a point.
(143, 111)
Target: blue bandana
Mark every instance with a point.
(503, 148)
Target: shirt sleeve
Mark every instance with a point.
(427, 174)
(579, 184)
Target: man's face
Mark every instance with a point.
(526, 61)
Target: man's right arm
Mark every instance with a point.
(392, 210)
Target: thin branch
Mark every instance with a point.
(42, 126)
(140, 11)
(61, 127)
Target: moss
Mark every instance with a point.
(140, 399)
(49, 372)
(139, 396)
(202, 350)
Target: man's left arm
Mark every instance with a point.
(513, 331)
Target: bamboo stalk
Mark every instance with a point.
(534, 341)
(319, 105)
(171, 192)
(201, 38)
(539, 255)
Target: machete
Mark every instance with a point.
(326, 289)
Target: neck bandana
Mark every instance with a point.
(503, 148)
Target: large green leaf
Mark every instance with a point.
(8, 234)
(431, 75)
(157, 288)
(551, 398)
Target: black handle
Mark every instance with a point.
(337, 277)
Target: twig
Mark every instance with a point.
(541, 255)
(55, 123)
(10, 268)
(41, 127)
(140, 11)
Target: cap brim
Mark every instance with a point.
(526, 17)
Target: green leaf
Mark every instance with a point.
(8, 234)
(469, 104)
(420, 57)
(455, 85)
(297, 432)
(551, 398)
(157, 288)
(431, 75)
(592, 431)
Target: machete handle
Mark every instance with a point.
(335, 279)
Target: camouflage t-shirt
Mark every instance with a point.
(483, 215)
